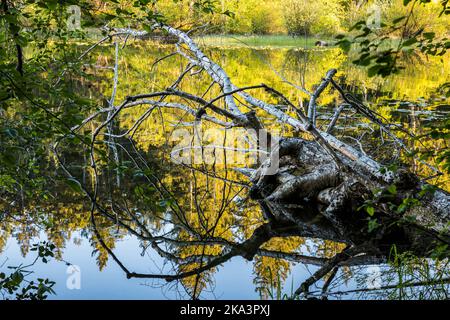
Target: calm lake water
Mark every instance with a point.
(410, 99)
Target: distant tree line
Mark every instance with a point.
(300, 17)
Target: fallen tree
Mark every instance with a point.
(319, 189)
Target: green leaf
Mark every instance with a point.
(392, 189)
(372, 225)
(395, 21)
(429, 35)
(374, 70)
(345, 45)
(75, 185)
(358, 25)
(52, 4)
(409, 42)
(370, 210)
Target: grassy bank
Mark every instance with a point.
(276, 41)
(232, 40)
(237, 41)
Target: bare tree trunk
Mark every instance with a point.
(321, 187)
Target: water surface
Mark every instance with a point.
(411, 99)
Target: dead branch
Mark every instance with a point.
(316, 191)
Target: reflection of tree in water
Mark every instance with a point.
(199, 217)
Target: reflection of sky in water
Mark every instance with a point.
(233, 280)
